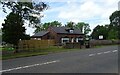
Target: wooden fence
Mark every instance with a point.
(35, 44)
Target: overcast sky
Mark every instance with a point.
(93, 12)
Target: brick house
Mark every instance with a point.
(41, 35)
(60, 35)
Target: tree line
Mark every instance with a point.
(82, 26)
(110, 31)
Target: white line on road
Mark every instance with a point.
(50, 62)
(91, 55)
(107, 52)
(99, 53)
(102, 53)
(114, 50)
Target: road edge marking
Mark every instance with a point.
(107, 52)
(99, 53)
(28, 66)
(114, 50)
(91, 55)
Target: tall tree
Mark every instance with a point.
(84, 27)
(112, 34)
(39, 28)
(46, 25)
(70, 24)
(0, 36)
(80, 25)
(29, 11)
(100, 30)
(115, 21)
(55, 24)
(13, 29)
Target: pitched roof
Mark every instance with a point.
(64, 30)
(41, 33)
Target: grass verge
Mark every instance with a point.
(35, 52)
(99, 46)
(52, 49)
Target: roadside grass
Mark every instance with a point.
(1, 48)
(105, 45)
(22, 54)
(35, 52)
(6, 48)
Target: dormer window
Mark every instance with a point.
(71, 31)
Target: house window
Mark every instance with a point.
(39, 38)
(35, 38)
(71, 31)
(64, 40)
(79, 39)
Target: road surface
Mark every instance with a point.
(96, 60)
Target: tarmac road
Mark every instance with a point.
(95, 60)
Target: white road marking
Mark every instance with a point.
(99, 53)
(114, 50)
(17, 68)
(91, 55)
(107, 52)
(102, 53)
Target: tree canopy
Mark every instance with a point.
(115, 22)
(84, 27)
(29, 11)
(80, 25)
(45, 26)
(70, 24)
(13, 28)
(100, 30)
(0, 36)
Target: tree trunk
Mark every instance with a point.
(16, 49)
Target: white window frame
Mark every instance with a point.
(71, 31)
(77, 39)
(35, 38)
(72, 40)
(39, 39)
(63, 39)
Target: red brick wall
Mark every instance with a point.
(45, 37)
(52, 34)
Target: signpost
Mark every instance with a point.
(100, 37)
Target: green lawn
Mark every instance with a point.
(52, 49)
(0, 48)
(35, 52)
(6, 48)
(104, 46)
